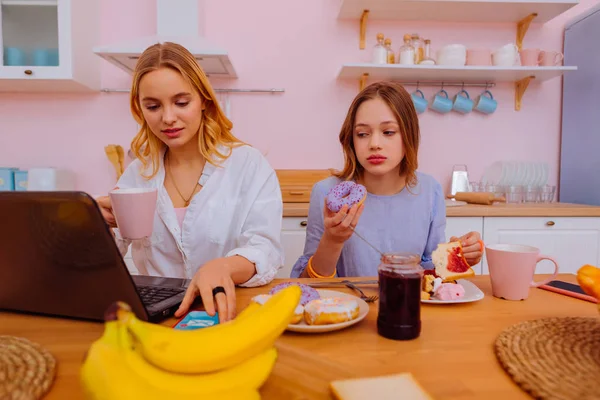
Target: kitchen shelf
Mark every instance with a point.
(521, 12)
(455, 10)
(448, 73)
(520, 76)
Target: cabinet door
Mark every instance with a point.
(34, 42)
(458, 226)
(571, 241)
(293, 235)
(47, 45)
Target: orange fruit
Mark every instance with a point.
(588, 278)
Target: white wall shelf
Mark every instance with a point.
(520, 12)
(520, 76)
(455, 10)
(449, 74)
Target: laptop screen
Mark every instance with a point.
(58, 257)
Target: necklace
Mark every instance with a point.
(186, 201)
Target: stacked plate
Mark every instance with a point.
(516, 173)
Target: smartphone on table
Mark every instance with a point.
(196, 319)
(568, 289)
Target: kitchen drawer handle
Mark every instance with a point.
(303, 223)
(296, 193)
(550, 223)
(28, 72)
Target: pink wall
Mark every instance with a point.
(297, 46)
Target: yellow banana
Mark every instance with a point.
(108, 374)
(124, 311)
(250, 374)
(250, 308)
(218, 347)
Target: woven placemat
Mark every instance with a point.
(26, 369)
(553, 358)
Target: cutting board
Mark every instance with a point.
(296, 184)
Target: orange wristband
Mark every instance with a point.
(313, 274)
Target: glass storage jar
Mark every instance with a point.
(400, 280)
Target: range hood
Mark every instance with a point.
(178, 21)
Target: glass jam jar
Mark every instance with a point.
(400, 277)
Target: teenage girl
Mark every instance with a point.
(404, 210)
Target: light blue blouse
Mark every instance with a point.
(410, 221)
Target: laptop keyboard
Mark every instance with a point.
(154, 294)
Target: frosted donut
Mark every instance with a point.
(345, 193)
(330, 310)
(298, 313)
(308, 293)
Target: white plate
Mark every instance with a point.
(472, 293)
(363, 310)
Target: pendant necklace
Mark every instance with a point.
(186, 201)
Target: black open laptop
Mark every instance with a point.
(58, 257)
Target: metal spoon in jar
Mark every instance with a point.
(366, 241)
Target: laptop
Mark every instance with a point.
(58, 257)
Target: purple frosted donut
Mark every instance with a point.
(308, 293)
(346, 192)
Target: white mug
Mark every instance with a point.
(452, 54)
(506, 56)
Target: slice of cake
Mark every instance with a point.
(450, 262)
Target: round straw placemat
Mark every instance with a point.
(26, 369)
(553, 358)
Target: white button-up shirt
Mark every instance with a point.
(238, 211)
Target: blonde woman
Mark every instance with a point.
(219, 208)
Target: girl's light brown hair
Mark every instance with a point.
(400, 102)
(215, 128)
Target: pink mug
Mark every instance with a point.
(530, 57)
(479, 57)
(512, 267)
(550, 58)
(134, 210)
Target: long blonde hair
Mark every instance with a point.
(400, 102)
(215, 127)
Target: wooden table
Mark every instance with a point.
(452, 359)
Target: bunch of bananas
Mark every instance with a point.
(136, 359)
(588, 277)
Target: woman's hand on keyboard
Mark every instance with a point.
(211, 275)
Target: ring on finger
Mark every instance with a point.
(218, 289)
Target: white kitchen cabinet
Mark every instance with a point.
(47, 45)
(293, 235)
(458, 226)
(571, 241)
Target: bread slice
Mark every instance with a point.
(399, 386)
(450, 262)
